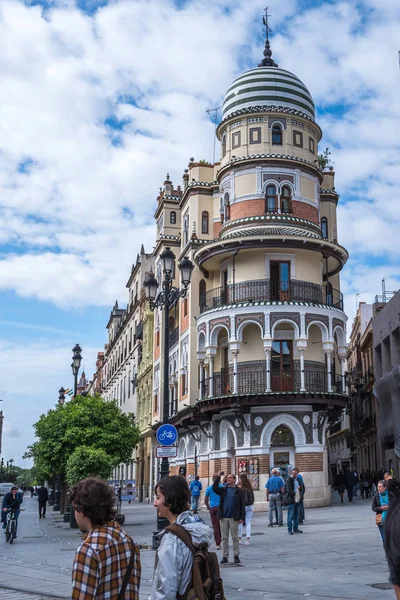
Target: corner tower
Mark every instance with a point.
(270, 319)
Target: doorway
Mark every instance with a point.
(282, 366)
(280, 281)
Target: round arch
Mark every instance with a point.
(224, 427)
(270, 182)
(239, 333)
(284, 419)
(289, 184)
(182, 449)
(323, 328)
(293, 323)
(201, 342)
(341, 338)
(215, 332)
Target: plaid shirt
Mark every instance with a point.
(101, 562)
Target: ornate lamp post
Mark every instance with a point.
(166, 299)
(75, 365)
(61, 396)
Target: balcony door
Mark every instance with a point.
(282, 366)
(280, 280)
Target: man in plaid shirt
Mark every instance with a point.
(101, 561)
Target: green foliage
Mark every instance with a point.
(25, 476)
(85, 462)
(323, 159)
(87, 421)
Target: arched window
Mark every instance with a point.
(286, 200)
(172, 217)
(223, 145)
(324, 227)
(202, 295)
(282, 436)
(271, 199)
(276, 135)
(226, 208)
(204, 222)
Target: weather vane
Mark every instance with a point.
(265, 21)
(267, 60)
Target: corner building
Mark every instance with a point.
(262, 353)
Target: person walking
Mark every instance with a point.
(350, 483)
(274, 489)
(292, 500)
(302, 514)
(211, 500)
(340, 484)
(231, 513)
(107, 563)
(380, 505)
(42, 496)
(195, 490)
(247, 489)
(364, 484)
(392, 540)
(174, 559)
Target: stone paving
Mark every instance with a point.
(339, 557)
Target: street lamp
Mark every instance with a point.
(61, 396)
(75, 365)
(167, 299)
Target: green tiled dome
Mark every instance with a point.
(268, 86)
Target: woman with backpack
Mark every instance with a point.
(247, 490)
(380, 505)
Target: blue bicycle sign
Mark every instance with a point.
(167, 435)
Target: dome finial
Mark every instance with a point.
(267, 60)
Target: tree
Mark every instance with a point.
(324, 161)
(85, 422)
(86, 461)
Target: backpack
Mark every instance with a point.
(206, 582)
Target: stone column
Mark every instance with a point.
(328, 350)
(211, 376)
(342, 350)
(267, 350)
(235, 354)
(201, 379)
(301, 346)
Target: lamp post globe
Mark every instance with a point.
(186, 268)
(61, 396)
(75, 365)
(168, 259)
(151, 285)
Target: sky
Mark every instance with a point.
(99, 100)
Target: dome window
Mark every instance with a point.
(236, 139)
(286, 200)
(271, 200)
(324, 227)
(224, 145)
(204, 222)
(172, 217)
(225, 208)
(276, 135)
(312, 145)
(255, 135)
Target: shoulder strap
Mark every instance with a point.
(121, 594)
(182, 534)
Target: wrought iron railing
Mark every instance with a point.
(173, 337)
(252, 379)
(266, 290)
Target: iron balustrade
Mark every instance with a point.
(252, 379)
(173, 337)
(266, 290)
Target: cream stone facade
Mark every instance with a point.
(258, 347)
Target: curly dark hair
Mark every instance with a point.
(94, 498)
(176, 492)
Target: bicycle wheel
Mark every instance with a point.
(7, 532)
(12, 533)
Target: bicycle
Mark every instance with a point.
(11, 525)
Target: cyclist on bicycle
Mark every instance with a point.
(11, 501)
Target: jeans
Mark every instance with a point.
(249, 516)
(293, 516)
(232, 526)
(275, 503)
(215, 525)
(302, 516)
(195, 502)
(381, 528)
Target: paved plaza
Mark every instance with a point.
(339, 556)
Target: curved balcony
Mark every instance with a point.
(252, 379)
(266, 290)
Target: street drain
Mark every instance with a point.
(381, 586)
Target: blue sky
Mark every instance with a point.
(99, 100)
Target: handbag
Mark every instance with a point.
(121, 594)
(378, 518)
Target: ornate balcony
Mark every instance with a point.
(266, 290)
(252, 379)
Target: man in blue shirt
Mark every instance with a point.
(274, 490)
(195, 490)
(212, 502)
(231, 512)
